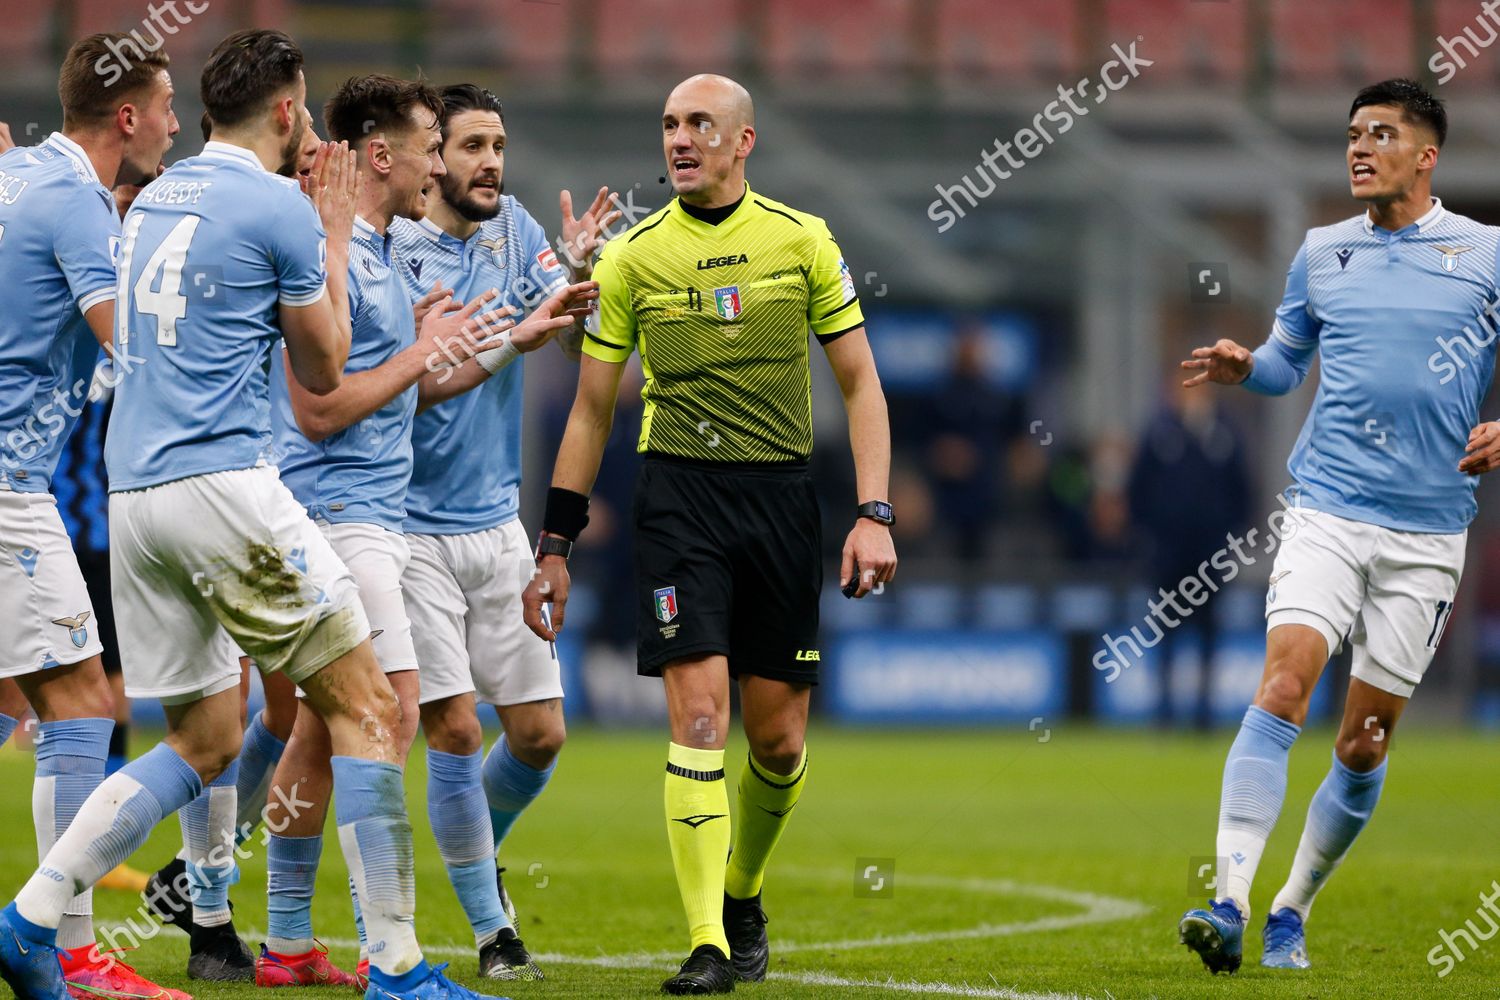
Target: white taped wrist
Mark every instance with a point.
(497, 358)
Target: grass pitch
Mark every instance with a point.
(1015, 864)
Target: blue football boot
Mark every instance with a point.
(1216, 934)
(1286, 946)
(30, 967)
(435, 986)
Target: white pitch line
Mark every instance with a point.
(914, 986)
(668, 961)
(1098, 909)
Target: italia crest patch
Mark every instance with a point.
(846, 280)
(666, 604)
(727, 301)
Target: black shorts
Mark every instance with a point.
(729, 560)
(95, 568)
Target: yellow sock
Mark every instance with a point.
(766, 802)
(698, 832)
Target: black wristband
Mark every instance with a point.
(553, 545)
(567, 513)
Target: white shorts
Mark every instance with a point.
(46, 617)
(376, 557)
(463, 593)
(207, 566)
(1390, 593)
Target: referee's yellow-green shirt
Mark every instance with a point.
(720, 315)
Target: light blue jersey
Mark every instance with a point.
(1403, 324)
(467, 470)
(59, 232)
(360, 473)
(213, 247)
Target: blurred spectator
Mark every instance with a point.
(1189, 488)
(968, 427)
(1086, 501)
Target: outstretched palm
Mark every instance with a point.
(581, 237)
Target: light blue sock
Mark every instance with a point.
(376, 837)
(1339, 811)
(259, 755)
(510, 785)
(291, 875)
(461, 825)
(70, 757)
(7, 726)
(208, 834)
(1254, 787)
(112, 823)
(69, 765)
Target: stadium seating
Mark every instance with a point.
(1482, 70)
(855, 39)
(1188, 42)
(1340, 41)
(979, 40)
(26, 40)
(191, 40)
(532, 38)
(634, 38)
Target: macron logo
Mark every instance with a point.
(416, 269)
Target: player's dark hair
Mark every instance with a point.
(102, 72)
(245, 71)
(374, 103)
(207, 125)
(461, 97)
(1416, 102)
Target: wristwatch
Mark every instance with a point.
(554, 545)
(878, 511)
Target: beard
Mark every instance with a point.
(455, 193)
(291, 152)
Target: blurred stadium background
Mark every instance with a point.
(1047, 478)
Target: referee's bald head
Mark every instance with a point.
(721, 92)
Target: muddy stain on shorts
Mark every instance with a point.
(270, 577)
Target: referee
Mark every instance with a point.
(717, 291)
